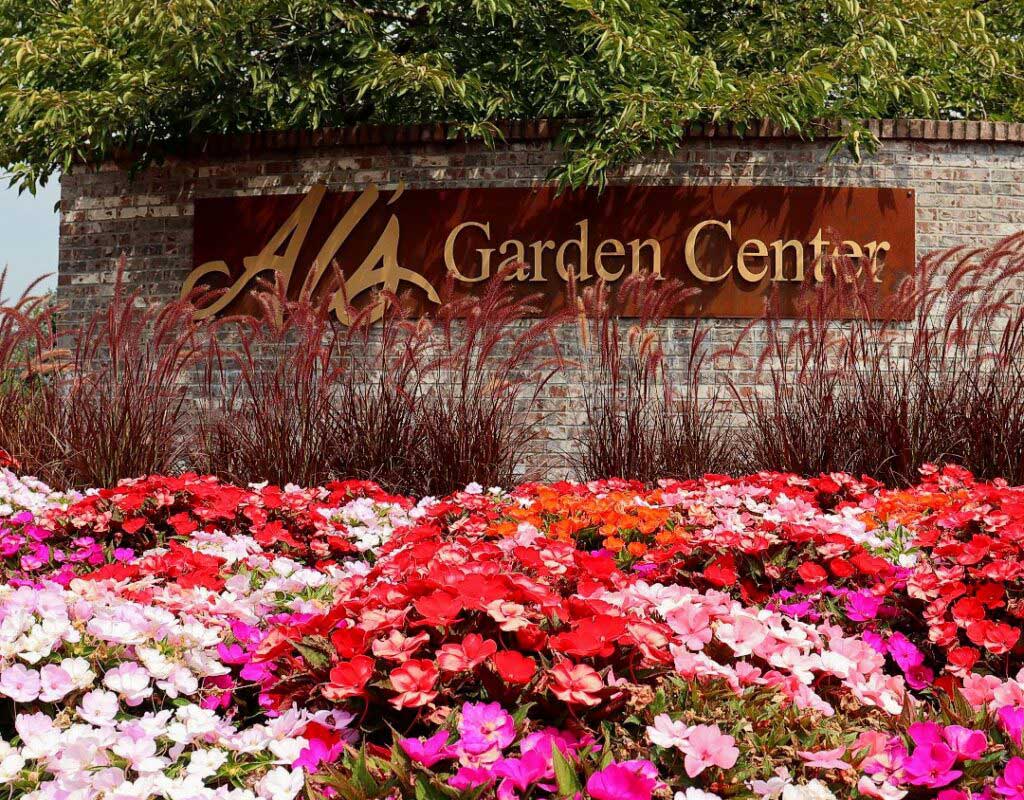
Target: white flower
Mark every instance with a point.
(10, 765)
(696, 794)
(281, 784)
(815, 790)
(205, 763)
(98, 707)
(38, 737)
(130, 681)
(81, 672)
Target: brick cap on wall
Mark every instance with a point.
(545, 130)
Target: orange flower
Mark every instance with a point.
(636, 549)
(614, 544)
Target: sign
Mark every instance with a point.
(736, 244)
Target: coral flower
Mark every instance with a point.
(576, 684)
(414, 681)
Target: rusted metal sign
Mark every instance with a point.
(736, 244)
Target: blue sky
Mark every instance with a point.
(28, 236)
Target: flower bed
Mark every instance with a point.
(770, 636)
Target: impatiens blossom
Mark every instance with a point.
(182, 637)
(706, 746)
(414, 681)
(576, 684)
(635, 780)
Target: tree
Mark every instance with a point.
(81, 78)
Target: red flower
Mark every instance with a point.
(349, 678)
(514, 667)
(722, 571)
(995, 637)
(349, 641)
(439, 608)
(134, 524)
(812, 574)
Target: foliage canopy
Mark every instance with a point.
(79, 78)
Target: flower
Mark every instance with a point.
(706, 746)
(472, 651)
(1011, 783)
(514, 667)
(414, 681)
(484, 726)
(625, 781)
(427, 752)
(825, 759)
(667, 733)
(576, 684)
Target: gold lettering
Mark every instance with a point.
(581, 245)
(854, 254)
(485, 253)
(759, 251)
(538, 259)
(293, 231)
(636, 246)
(819, 247)
(691, 247)
(874, 249)
(617, 250)
(517, 260)
(780, 248)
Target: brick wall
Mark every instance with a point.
(968, 177)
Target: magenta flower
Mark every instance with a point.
(968, 744)
(427, 752)
(1012, 720)
(520, 773)
(470, 778)
(1011, 783)
(630, 780)
(484, 726)
(931, 765)
(862, 606)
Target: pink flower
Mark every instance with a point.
(707, 746)
(667, 733)
(693, 624)
(968, 744)
(472, 651)
(630, 780)
(20, 683)
(825, 759)
(576, 684)
(398, 647)
(55, 683)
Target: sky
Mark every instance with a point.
(28, 236)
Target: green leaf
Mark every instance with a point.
(565, 775)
